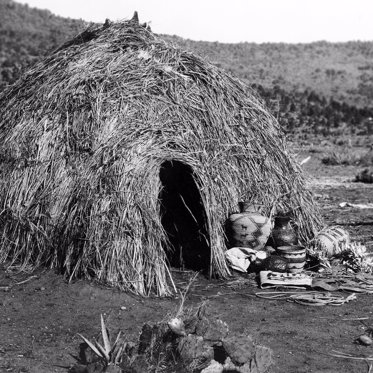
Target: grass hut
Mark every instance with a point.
(122, 155)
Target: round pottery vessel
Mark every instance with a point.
(283, 233)
(296, 256)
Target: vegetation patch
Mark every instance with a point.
(348, 157)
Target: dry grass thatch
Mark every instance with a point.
(84, 135)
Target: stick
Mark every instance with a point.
(356, 319)
(27, 280)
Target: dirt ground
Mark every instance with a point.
(40, 318)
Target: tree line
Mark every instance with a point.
(306, 86)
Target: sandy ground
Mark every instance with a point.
(40, 318)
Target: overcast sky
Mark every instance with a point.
(231, 21)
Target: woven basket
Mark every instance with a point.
(250, 229)
(295, 255)
(332, 240)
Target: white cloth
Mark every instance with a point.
(240, 258)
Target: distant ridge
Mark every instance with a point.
(27, 33)
(342, 71)
(314, 85)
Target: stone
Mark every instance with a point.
(263, 358)
(86, 355)
(229, 365)
(97, 367)
(191, 324)
(138, 364)
(365, 340)
(111, 368)
(213, 367)
(145, 338)
(152, 337)
(261, 362)
(239, 348)
(192, 347)
(202, 327)
(212, 329)
(247, 368)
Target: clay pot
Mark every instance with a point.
(250, 229)
(283, 234)
(275, 263)
(295, 255)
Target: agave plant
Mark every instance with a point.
(110, 353)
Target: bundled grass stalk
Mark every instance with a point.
(84, 134)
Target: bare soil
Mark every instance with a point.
(40, 318)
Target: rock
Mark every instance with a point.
(191, 324)
(113, 369)
(239, 348)
(262, 361)
(212, 330)
(97, 367)
(86, 355)
(152, 337)
(145, 338)
(365, 176)
(213, 367)
(365, 340)
(248, 368)
(202, 326)
(229, 365)
(138, 365)
(192, 347)
(130, 349)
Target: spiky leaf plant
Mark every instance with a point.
(110, 354)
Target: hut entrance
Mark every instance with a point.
(183, 217)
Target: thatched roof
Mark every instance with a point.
(85, 132)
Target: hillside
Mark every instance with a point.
(319, 87)
(26, 34)
(343, 71)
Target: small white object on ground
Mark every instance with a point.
(365, 340)
(357, 205)
(214, 367)
(177, 326)
(305, 160)
(240, 258)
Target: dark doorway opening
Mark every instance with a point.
(183, 218)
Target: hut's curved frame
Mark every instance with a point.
(85, 132)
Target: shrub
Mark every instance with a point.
(348, 158)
